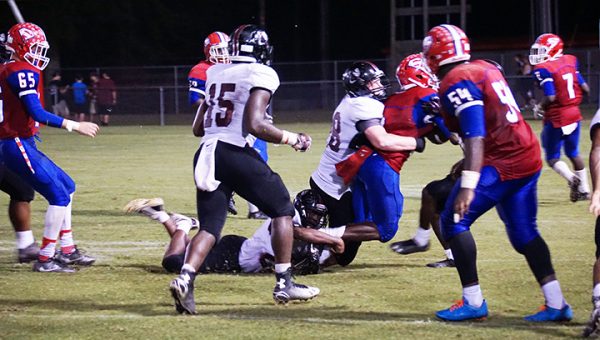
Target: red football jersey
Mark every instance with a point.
(404, 117)
(563, 73)
(16, 79)
(510, 144)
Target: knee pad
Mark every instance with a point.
(538, 257)
(173, 263)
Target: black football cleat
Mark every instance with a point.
(574, 189)
(231, 206)
(51, 266)
(182, 290)
(257, 215)
(408, 247)
(593, 325)
(287, 290)
(29, 253)
(76, 257)
(447, 263)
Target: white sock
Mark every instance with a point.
(449, 255)
(162, 216)
(282, 267)
(184, 225)
(421, 238)
(583, 185)
(188, 267)
(55, 216)
(67, 243)
(596, 291)
(252, 208)
(553, 295)
(473, 295)
(24, 239)
(563, 169)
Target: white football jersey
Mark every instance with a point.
(343, 128)
(595, 119)
(227, 91)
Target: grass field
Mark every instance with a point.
(380, 295)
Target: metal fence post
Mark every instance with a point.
(176, 88)
(162, 106)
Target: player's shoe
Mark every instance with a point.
(29, 253)
(408, 247)
(287, 290)
(447, 263)
(76, 257)
(185, 222)
(574, 186)
(461, 311)
(257, 215)
(182, 290)
(150, 207)
(546, 314)
(51, 266)
(231, 206)
(593, 324)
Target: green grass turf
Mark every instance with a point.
(380, 295)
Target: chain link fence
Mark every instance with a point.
(309, 91)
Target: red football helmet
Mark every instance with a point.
(216, 47)
(28, 42)
(445, 44)
(413, 70)
(546, 47)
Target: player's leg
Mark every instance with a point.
(261, 147)
(593, 324)
(518, 211)
(552, 141)
(458, 235)
(427, 214)
(19, 212)
(250, 175)
(571, 146)
(42, 175)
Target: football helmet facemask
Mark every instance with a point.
(363, 78)
(445, 44)
(413, 70)
(28, 42)
(313, 213)
(251, 43)
(216, 48)
(546, 47)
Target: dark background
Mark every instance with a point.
(159, 32)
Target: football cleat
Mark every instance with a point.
(546, 314)
(461, 311)
(447, 263)
(231, 206)
(185, 222)
(574, 186)
(150, 207)
(182, 290)
(408, 247)
(257, 215)
(51, 266)
(29, 253)
(287, 290)
(76, 257)
(594, 323)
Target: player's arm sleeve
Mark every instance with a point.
(544, 78)
(197, 88)
(465, 100)
(580, 78)
(24, 83)
(264, 77)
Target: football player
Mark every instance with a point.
(559, 77)
(21, 109)
(20, 193)
(234, 253)
(501, 169)
(594, 323)
(238, 96)
(360, 111)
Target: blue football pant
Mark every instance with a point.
(553, 140)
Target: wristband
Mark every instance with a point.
(289, 138)
(71, 125)
(469, 179)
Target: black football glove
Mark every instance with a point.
(359, 140)
(433, 106)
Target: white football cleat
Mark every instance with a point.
(151, 207)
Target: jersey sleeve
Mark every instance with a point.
(594, 124)
(197, 84)
(366, 108)
(264, 77)
(544, 78)
(24, 82)
(465, 101)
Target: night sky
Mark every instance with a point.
(154, 32)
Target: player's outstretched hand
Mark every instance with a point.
(595, 203)
(304, 142)
(339, 246)
(87, 129)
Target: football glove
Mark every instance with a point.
(433, 106)
(538, 111)
(304, 142)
